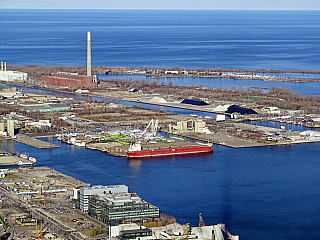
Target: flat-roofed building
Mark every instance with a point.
(65, 79)
(86, 192)
(113, 204)
(114, 208)
(43, 107)
(130, 231)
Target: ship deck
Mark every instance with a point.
(165, 144)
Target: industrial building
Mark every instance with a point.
(11, 76)
(197, 125)
(10, 127)
(50, 107)
(41, 124)
(182, 125)
(11, 93)
(65, 79)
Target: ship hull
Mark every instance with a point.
(169, 151)
(24, 163)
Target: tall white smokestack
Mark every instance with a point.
(88, 54)
(1, 66)
(5, 66)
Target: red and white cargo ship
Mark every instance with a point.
(136, 151)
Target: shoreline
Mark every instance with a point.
(256, 78)
(38, 71)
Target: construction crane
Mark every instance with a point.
(41, 187)
(40, 193)
(38, 230)
(3, 225)
(154, 127)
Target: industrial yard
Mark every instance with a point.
(43, 203)
(93, 124)
(39, 201)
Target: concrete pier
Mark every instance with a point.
(9, 160)
(33, 142)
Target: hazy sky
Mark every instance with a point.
(164, 4)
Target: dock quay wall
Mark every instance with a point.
(33, 142)
(237, 142)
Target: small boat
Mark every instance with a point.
(24, 163)
(58, 136)
(24, 156)
(71, 141)
(32, 159)
(79, 143)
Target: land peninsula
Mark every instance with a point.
(38, 71)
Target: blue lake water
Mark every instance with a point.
(279, 125)
(259, 193)
(296, 75)
(311, 88)
(162, 38)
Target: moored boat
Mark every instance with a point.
(79, 143)
(24, 163)
(71, 140)
(32, 159)
(136, 151)
(24, 156)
